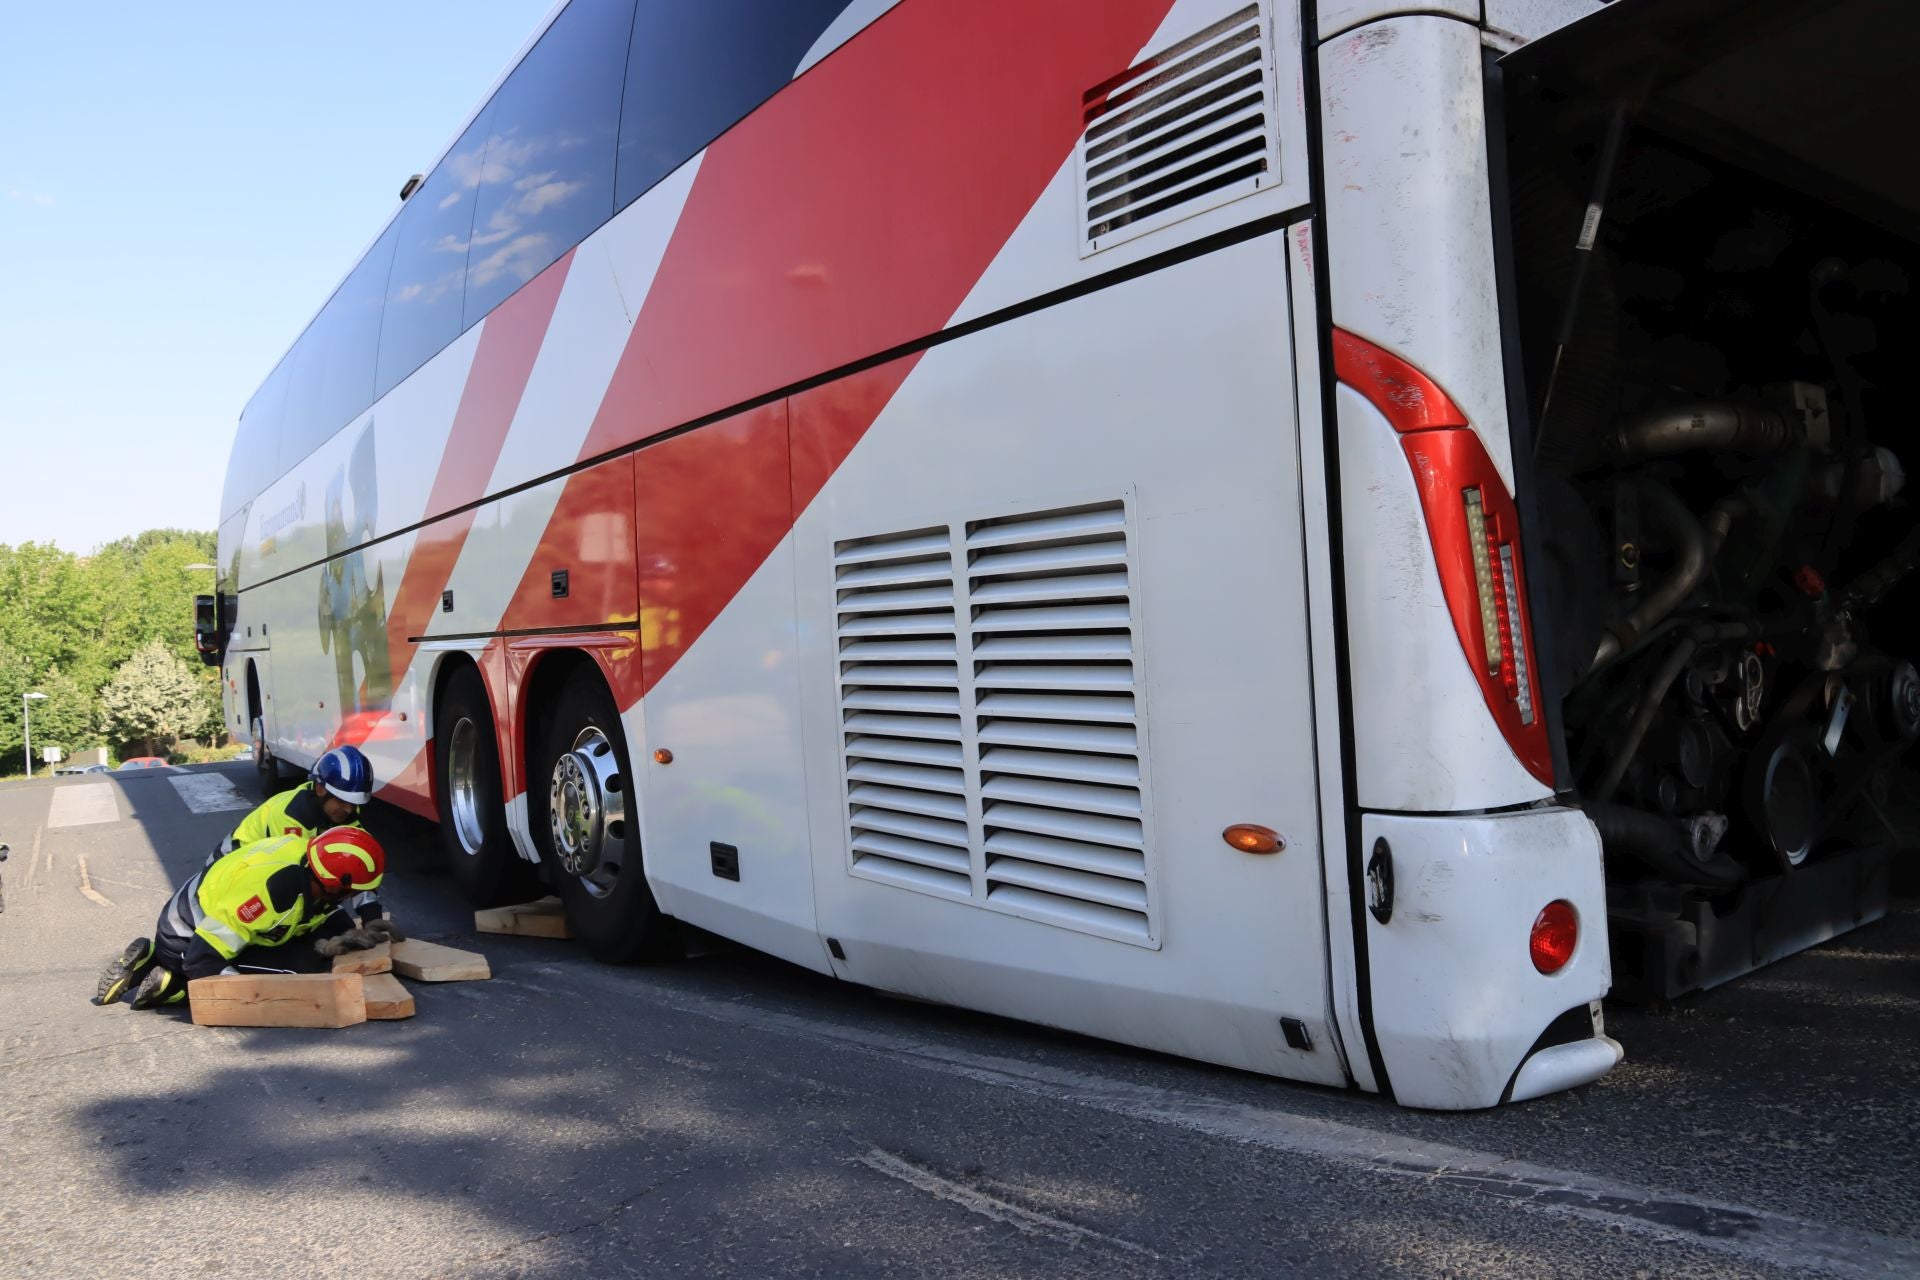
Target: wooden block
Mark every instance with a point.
(431, 962)
(375, 959)
(278, 1000)
(542, 919)
(386, 998)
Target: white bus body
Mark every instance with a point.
(1008, 476)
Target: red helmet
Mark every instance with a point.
(346, 858)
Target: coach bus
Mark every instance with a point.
(1317, 537)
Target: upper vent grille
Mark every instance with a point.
(1188, 128)
(992, 723)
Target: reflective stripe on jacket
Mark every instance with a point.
(258, 896)
(295, 812)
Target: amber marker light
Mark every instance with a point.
(663, 756)
(1248, 837)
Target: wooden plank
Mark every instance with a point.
(542, 919)
(431, 962)
(386, 998)
(375, 959)
(278, 1000)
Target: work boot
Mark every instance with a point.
(158, 988)
(125, 972)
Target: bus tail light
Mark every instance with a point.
(1556, 931)
(1474, 527)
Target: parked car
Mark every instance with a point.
(143, 762)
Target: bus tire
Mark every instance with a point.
(582, 764)
(473, 815)
(266, 765)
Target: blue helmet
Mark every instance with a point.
(344, 772)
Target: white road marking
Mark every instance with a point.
(87, 803)
(87, 890)
(208, 792)
(1724, 1227)
(973, 1200)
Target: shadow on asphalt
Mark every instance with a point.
(558, 1105)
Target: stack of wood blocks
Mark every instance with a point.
(364, 985)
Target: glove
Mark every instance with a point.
(384, 931)
(352, 940)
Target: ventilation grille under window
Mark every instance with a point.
(999, 759)
(1188, 128)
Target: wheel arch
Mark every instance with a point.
(547, 673)
(256, 708)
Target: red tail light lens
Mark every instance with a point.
(1556, 932)
(1474, 527)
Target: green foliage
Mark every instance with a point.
(152, 696)
(68, 623)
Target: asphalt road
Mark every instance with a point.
(729, 1115)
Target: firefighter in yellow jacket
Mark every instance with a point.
(340, 785)
(253, 910)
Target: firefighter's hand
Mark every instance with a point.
(384, 931)
(351, 940)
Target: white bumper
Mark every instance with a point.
(1457, 1002)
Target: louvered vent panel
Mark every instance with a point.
(1056, 716)
(901, 711)
(1189, 128)
(991, 724)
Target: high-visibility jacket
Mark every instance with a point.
(291, 813)
(260, 895)
(295, 812)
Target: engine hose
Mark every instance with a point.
(1882, 577)
(1718, 428)
(1660, 845)
(1656, 693)
(1690, 567)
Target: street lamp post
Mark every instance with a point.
(26, 725)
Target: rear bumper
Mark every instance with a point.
(1458, 1007)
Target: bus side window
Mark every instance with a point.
(694, 70)
(547, 180)
(255, 462)
(333, 360)
(428, 285)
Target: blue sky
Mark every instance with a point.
(181, 186)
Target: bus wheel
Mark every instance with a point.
(266, 766)
(590, 827)
(473, 818)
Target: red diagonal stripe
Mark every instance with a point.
(852, 213)
(498, 378)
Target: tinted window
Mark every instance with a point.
(255, 461)
(547, 181)
(697, 66)
(334, 360)
(430, 261)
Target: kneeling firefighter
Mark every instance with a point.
(338, 787)
(271, 906)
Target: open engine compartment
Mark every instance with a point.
(1722, 426)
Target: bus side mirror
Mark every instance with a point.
(206, 630)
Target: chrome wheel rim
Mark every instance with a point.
(260, 754)
(587, 811)
(463, 785)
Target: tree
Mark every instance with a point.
(68, 622)
(153, 695)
